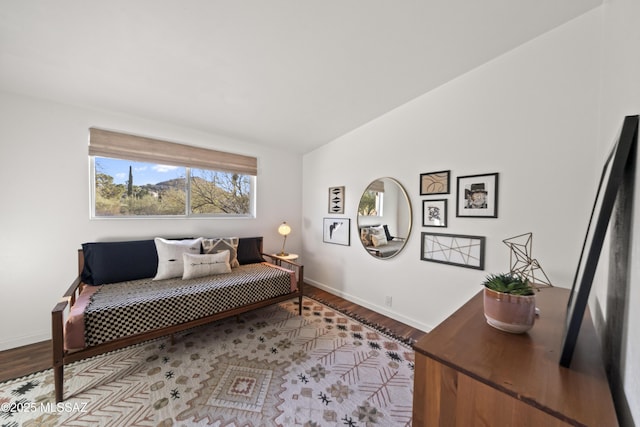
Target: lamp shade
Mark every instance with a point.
(284, 229)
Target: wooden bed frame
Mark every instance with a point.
(62, 357)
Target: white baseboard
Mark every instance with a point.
(22, 341)
(377, 308)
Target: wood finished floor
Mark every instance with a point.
(32, 358)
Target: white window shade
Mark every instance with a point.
(104, 143)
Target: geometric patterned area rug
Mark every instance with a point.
(269, 367)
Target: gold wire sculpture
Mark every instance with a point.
(522, 263)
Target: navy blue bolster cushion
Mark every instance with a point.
(111, 262)
(249, 250)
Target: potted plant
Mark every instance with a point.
(509, 302)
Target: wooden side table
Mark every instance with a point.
(468, 373)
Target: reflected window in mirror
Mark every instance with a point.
(371, 203)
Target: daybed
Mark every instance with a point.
(130, 292)
(379, 242)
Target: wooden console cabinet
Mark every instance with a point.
(470, 374)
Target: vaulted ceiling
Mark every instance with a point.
(288, 73)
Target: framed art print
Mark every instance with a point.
(477, 196)
(434, 213)
(434, 183)
(336, 230)
(453, 249)
(611, 179)
(336, 200)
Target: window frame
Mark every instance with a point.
(126, 147)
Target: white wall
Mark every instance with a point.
(44, 176)
(543, 116)
(621, 97)
(530, 115)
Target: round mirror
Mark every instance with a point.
(384, 218)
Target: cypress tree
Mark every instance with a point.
(130, 183)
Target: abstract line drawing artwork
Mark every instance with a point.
(336, 200)
(453, 249)
(336, 230)
(434, 183)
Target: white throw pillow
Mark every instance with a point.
(205, 264)
(378, 240)
(170, 260)
(378, 236)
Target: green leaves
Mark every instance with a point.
(509, 284)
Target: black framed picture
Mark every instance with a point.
(610, 180)
(337, 231)
(453, 249)
(336, 200)
(477, 196)
(434, 183)
(434, 213)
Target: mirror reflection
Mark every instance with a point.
(384, 218)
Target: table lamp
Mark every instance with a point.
(284, 230)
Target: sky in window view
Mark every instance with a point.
(143, 173)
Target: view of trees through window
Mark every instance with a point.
(370, 203)
(130, 188)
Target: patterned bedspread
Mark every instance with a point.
(127, 308)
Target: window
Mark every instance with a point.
(371, 203)
(132, 179)
(372, 200)
(216, 192)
